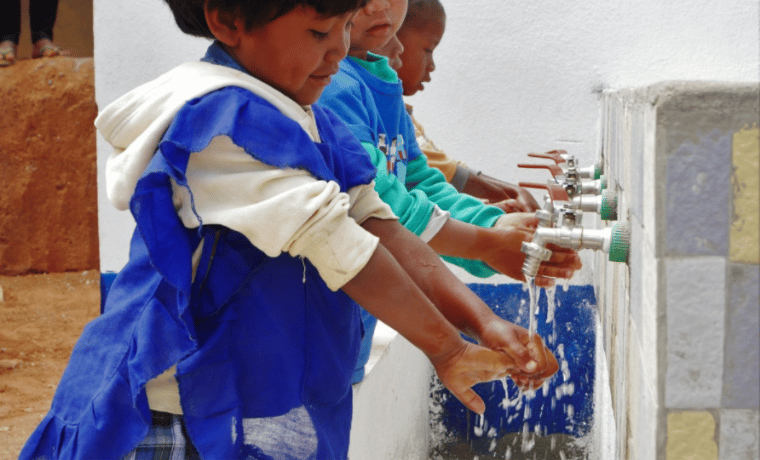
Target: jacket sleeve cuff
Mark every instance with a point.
(366, 203)
(341, 254)
(460, 178)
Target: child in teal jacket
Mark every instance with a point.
(367, 95)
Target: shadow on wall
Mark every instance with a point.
(72, 32)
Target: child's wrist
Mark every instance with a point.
(489, 328)
(446, 350)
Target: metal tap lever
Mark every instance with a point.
(556, 191)
(567, 161)
(557, 172)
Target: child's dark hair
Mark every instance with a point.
(191, 19)
(421, 12)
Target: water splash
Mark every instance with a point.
(559, 387)
(533, 311)
(480, 426)
(528, 439)
(550, 303)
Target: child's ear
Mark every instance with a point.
(223, 25)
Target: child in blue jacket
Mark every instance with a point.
(258, 231)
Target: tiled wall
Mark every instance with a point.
(681, 322)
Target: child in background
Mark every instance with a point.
(367, 95)
(419, 35)
(258, 228)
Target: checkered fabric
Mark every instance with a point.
(166, 440)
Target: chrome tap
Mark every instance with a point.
(568, 163)
(586, 195)
(559, 224)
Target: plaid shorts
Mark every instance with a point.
(166, 440)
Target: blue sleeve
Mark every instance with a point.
(354, 105)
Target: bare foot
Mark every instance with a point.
(45, 48)
(7, 53)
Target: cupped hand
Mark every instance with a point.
(563, 263)
(470, 365)
(533, 361)
(527, 200)
(548, 366)
(520, 200)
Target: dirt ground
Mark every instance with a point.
(41, 317)
(48, 223)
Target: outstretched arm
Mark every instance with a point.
(385, 290)
(505, 196)
(459, 305)
(500, 247)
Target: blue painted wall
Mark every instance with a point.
(572, 338)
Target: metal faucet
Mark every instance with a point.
(567, 163)
(559, 224)
(589, 195)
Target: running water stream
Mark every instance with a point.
(533, 308)
(563, 385)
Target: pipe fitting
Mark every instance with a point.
(591, 172)
(594, 187)
(605, 204)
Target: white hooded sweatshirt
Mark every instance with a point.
(279, 210)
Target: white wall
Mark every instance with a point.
(520, 76)
(512, 77)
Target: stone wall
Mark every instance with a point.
(48, 206)
(681, 323)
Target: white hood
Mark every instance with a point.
(135, 123)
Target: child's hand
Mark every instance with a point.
(505, 253)
(517, 220)
(523, 202)
(511, 205)
(533, 361)
(505, 196)
(527, 200)
(467, 366)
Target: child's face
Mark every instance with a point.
(375, 24)
(417, 56)
(392, 50)
(296, 53)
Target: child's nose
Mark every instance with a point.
(339, 50)
(375, 6)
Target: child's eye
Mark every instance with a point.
(319, 35)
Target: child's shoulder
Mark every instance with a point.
(346, 88)
(346, 81)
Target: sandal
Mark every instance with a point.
(7, 53)
(47, 49)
